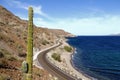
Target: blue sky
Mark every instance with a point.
(79, 17)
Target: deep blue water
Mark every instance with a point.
(97, 56)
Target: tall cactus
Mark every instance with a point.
(30, 44)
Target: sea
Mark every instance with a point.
(97, 56)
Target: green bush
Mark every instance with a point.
(56, 57)
(68, 48)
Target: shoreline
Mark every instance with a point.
(66, 64)
(79, 70)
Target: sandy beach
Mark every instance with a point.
(65, 64)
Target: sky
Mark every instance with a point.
(79, 17)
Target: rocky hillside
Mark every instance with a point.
(13, 41)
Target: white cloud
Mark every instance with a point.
(40, 22)
(86, 26)
(37, 9)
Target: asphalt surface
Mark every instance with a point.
(51, 68)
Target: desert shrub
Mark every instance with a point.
(22, 54)
(37, 72)
(3, 62)
(44, 42)
(6, 55)
(1, 37)
(56, 57)
(11, 41)
(1, 55)
(4, 77)
(68, 48)
(25, 38)
(11, 58)
(5, 52)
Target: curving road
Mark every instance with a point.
(41, 57)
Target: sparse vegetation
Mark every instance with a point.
(56, 56)
(4, 52)
(11, 58)
(22, 54)
(44, 42)
(68, 48)
(1, 55)
(5, 56)
(4, 77)
(3, 37)
(3, 63)
(37, 72)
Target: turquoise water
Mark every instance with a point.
(97, 56)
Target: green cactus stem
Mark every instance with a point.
(30, 45)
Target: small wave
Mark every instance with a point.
(109, 71)
(75, 51)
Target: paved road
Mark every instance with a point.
(51, 68)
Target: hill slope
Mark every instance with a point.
(13, 42)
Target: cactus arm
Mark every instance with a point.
(24, 67)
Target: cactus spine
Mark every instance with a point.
(30, 44)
